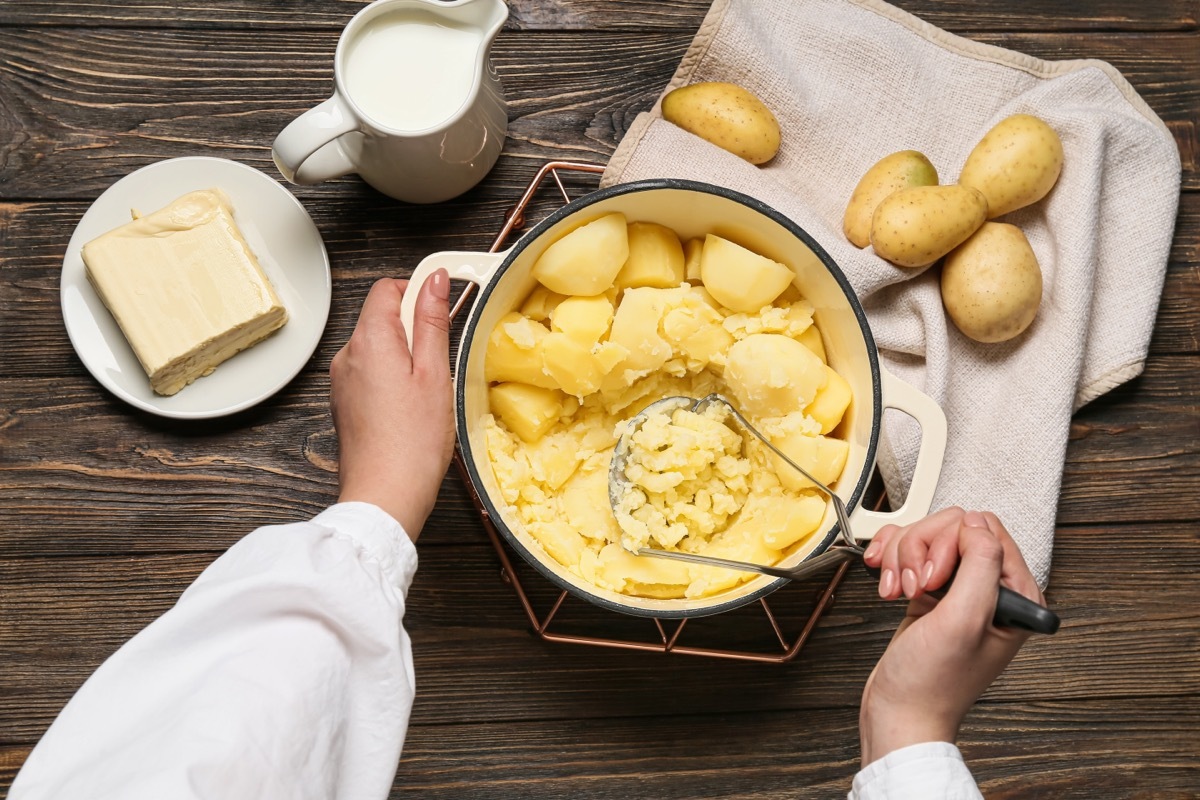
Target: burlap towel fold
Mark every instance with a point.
(853, 80)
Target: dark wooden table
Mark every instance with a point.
(106, 514)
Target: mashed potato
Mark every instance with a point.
(567, 373)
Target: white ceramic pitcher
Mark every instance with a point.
(417, 109)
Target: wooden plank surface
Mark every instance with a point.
(1109, 708)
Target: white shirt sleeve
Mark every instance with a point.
(929, 771)
(284, 671)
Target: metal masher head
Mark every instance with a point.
(619, 485)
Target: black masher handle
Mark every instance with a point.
(1013, 610)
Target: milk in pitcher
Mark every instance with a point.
(410, 70)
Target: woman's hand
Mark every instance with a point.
(392, 405)
(945, 653)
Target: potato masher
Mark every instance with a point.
(1012, 609)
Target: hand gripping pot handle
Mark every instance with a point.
(929, 415)
(478, 268)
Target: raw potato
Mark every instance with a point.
(586, 260)
(992, 284)
(915, 227)
(1015, 164)
(655, 258)
(741, 279)
(902, 170)
(726, 115)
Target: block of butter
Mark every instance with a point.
(184, 287)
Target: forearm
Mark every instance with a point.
(283, 671)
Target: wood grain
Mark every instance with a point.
(88, 106)
(634, 15)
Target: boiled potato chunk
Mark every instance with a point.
(741, 279)
(820, 456)
(528, 411)
(586, 260)
(1016, 164)
(555, 457)
(742, 541)
(636, 328)
(514, 352)
(540, 303)
(618, 566)
(695, 330)
(726, 115)
(811, 338)
(915, 227)
(786, 519)
(890, 174)
(655, 258)
(992, 284)
(831, 402)
(771, 375)
(585, 504)
(584, 319)
(562, 543)
(691, 259)
(577, 368)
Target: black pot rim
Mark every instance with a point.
(469, 334)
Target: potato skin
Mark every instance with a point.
(915, 227)
(1015, 164)
(726, 115)
(992, 284)
(890, 174)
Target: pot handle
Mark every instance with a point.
(929, 415)
(478, 268)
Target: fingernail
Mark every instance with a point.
(887, 583)
(908, 580)
(974, 519)
(926, 574)
(439, 284)
(871, 550)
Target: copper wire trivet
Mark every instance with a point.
(663, 638)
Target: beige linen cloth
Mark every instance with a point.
(853, 80)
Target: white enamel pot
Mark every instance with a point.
(693, 209)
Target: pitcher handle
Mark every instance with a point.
(478, 268)
(307, 150)
(929, 415)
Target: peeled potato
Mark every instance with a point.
(830, 404)
(890, 174)
(691, 259)
(528, 411)
(915, 227)
(820, 456)
(655, 258)
(1015, 164)
(992, 284)
(726, 115)
(741, 279)
(586, 260)
(771, 375)
(514, 352)
(584, 319)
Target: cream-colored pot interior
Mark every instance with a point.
(693, 209)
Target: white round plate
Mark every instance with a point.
(288, 247)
